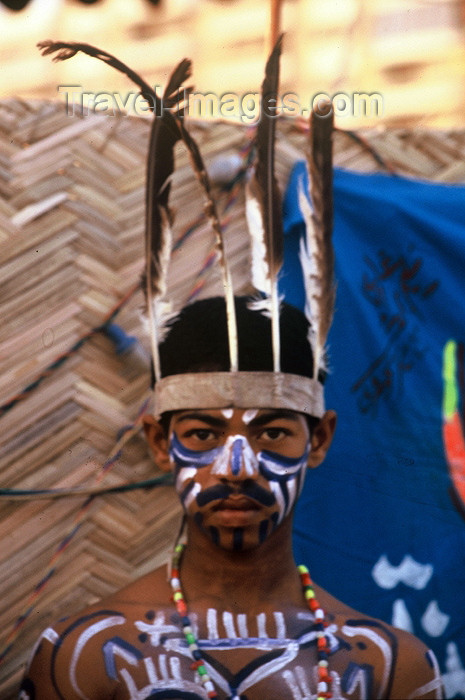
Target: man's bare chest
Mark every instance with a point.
(268, 656)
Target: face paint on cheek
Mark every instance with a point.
(186, 464)
(286, 477)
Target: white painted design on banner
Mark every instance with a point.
(454, 678)
(409, 571)
(401, 616)
(433, 620)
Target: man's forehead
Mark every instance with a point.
(246, 415)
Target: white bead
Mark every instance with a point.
(322, 687)
(175, 583)
(319, 614)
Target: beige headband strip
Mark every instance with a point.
(210, 390)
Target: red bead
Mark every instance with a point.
(321, 643)
(181, 608)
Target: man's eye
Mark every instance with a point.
(273, 434)
(202, 434)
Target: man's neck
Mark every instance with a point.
(242, 580)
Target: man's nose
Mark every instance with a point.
(237, 460)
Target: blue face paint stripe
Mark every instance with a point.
(183, 456)
(263, 530)
(236, 457)
(276, 467)
(214, 534)
(238, 536)
(285, 461)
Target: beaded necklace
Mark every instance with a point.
(324, 678)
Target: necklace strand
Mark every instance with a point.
(198, 665)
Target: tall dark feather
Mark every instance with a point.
(164, 134)
(317, 256)
(265, 178)
(69, 49)
(263, 202)
(212, 213)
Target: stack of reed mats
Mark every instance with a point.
(71, 254)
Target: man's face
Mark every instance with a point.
(239, 472)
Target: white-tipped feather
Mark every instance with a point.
(308, 256)
(260, 271)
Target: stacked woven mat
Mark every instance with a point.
(71, 254)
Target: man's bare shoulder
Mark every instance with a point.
(121, 625)
(403, 664)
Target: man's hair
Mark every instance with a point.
(197, 340)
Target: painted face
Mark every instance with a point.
(238, 474)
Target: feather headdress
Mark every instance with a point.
(316, 249)
(263, 203)
(263, 210)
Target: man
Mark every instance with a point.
(235, 618)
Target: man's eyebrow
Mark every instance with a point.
(269, 416)
(205, 418)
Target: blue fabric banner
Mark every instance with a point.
(381, 522)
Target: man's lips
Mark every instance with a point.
(254, 495)
(237, 503)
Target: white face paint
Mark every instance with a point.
(249, 415)
(227, 413)
(236, 456)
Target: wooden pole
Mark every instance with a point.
(275, 23)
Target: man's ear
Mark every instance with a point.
(157, 442)
(321, 439)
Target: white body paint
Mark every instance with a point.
(434, 685)
(249, 415)
(50, 635)
(81, 643)
(382, 645)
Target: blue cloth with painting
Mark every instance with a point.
(378, 522)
